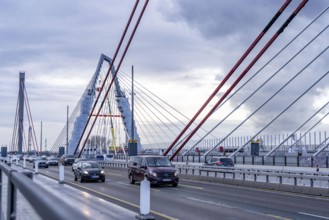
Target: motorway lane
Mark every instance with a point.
(202, 200)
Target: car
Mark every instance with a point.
(89, 170)
(41, 161)
(100, 157)
(67, 159)
(52, 161)
(76, 162)
(220, 161)
(17, 157)
(109, 157)
(31, 158)
(157, 169)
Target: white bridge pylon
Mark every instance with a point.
(113, 128)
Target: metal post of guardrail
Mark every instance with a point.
(24, 163)
(244, 176)
(61, 174)
(1, 193)
(295, 181)
(280, 179)
(36, 167)
(311, 182)
(11, 198)
(267, 178)
(285, 160)
(145, 197)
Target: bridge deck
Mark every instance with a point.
(89, 205)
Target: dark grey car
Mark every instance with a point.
(157, 169)
(220, 161)
(89, 170)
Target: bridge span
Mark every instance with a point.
(116, 198)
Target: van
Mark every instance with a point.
(156, 169)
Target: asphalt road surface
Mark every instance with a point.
(194, 200)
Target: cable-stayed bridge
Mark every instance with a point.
(282, 84)
(114, 110)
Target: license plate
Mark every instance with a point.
(166, 180)
(94, 177)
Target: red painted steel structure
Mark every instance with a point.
(116, 72)
(109, 70)
(103, 115)
(268, 44)
(251, 47)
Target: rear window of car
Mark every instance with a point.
(227, 160)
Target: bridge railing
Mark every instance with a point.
(313, 179)
(298, 161)
(20, 196)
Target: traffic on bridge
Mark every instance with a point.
(254, 147)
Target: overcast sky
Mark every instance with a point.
(187, 46)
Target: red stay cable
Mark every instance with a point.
(268, 44)
(108, 72)
(259, 37)
(116, 72)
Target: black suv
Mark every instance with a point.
(67, 159)
(157, 169)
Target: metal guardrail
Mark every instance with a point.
(262, 175)
(298, 161)
(256, 174)
(46, 205)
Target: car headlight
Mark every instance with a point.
(85, 172)
(176, 173)
(153, 173)
(102, 172)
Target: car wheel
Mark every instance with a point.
(103, 180)
(174, 184)
(75, 178)
(81, 180)
(131, 179)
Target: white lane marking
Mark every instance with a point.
(317, 216)
(210, 202)
(115, 174)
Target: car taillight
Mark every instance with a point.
(219, 163)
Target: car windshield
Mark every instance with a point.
(90, 165)
(158, 162)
